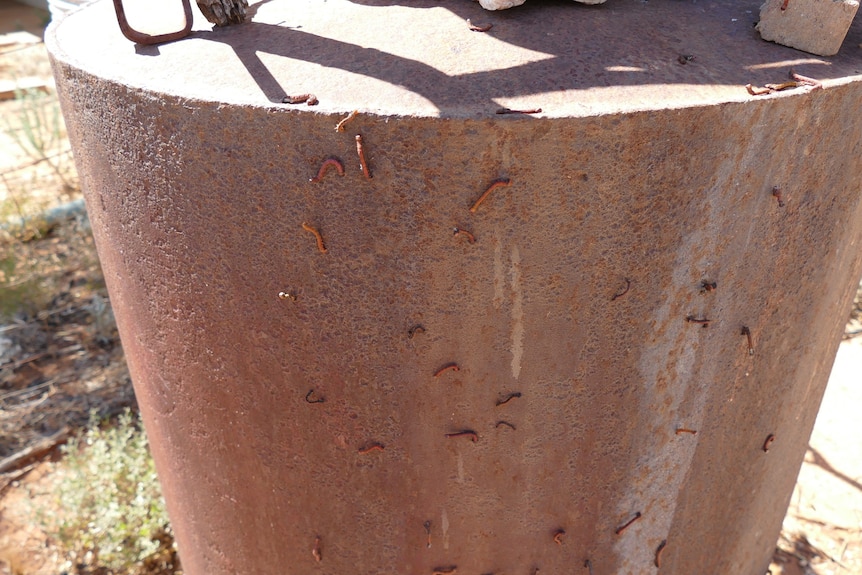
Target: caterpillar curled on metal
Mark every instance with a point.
(469, 433)
(776, 193)
(372, 447)
(427, 526)
(816, 84)
(339, 127)
(508, 398)
(747, 333)
(324, 167)
(704, 322)
(447, 367)
(624, 291)
(502, 182)
(317, 236)
(360, 151)
(626, 525)
(511, 111)
(658, 551)
(316, 551)
(462, 232)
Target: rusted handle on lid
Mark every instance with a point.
(149, 39)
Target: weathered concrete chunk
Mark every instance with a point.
(816, 26)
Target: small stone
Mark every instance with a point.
(500, 4)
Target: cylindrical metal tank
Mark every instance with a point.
(610, 364)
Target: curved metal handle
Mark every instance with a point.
(148, 39)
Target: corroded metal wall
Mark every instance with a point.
(319, 432)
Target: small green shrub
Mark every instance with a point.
(109, 506)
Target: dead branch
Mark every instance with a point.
(35, 451)
(224, 12)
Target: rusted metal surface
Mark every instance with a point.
(304, 406)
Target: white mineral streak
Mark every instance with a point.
(517, 314)
(499, 273)
(444, 521)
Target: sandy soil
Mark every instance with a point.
(822, 532)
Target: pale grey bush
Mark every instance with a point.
(108, 509)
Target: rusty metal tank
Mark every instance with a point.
(610, 364)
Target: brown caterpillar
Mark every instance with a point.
(494, 185)
(325, 166)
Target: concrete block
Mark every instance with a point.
(815, 26)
